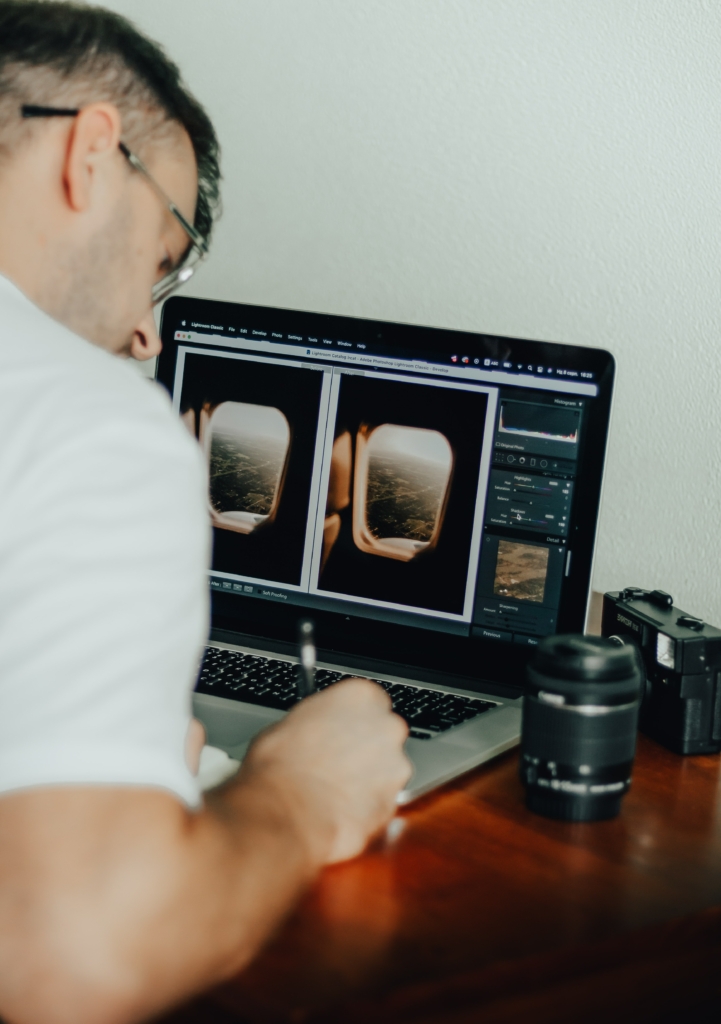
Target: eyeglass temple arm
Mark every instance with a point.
(139, 166)
(29, 110)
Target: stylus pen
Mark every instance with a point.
(306, 643)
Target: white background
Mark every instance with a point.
(541, 168)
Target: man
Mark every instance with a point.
(120, 893)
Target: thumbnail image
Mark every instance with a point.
(521, 571)
(257, 424)
(402, 492)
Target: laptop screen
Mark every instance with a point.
(435, 487)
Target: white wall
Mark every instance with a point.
(540, 168)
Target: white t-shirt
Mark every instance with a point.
(104, 542)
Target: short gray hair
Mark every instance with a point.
(72, 54)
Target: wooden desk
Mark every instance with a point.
(480, 911)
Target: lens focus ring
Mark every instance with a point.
(557, 734)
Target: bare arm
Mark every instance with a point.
(115, 903)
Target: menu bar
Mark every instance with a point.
(487, 371)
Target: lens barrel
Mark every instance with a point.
(578, 736)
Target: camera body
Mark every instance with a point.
(681, 705)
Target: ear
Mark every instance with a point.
(146, 341)
(92, 149)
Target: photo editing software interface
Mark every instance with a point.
(436, 494)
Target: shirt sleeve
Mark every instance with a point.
(103, 605)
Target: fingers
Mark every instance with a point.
(366, 690)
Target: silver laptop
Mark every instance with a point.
(428, 497)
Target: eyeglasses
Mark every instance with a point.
(198, 248)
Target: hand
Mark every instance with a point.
(336, 765)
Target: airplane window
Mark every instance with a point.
(247, 448)
(401, 487)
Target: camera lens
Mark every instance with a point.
(578, 736)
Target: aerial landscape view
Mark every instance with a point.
(248, 449)
(521, 571)
(408, 474)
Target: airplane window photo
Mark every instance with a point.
(257, 423)
(247, 447)
(402, 493)
(402, 478)
(521, 571)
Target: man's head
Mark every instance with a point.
(82, 232)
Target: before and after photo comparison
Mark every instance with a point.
(359, 486)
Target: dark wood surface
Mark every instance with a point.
(474, 909)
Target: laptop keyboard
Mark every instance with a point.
(273, 684)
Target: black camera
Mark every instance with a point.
(681, 704)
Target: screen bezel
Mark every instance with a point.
(476, 663)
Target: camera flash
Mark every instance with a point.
(665, 651)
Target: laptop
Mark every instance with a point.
(428, 497)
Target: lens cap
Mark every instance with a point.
(585, 659)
